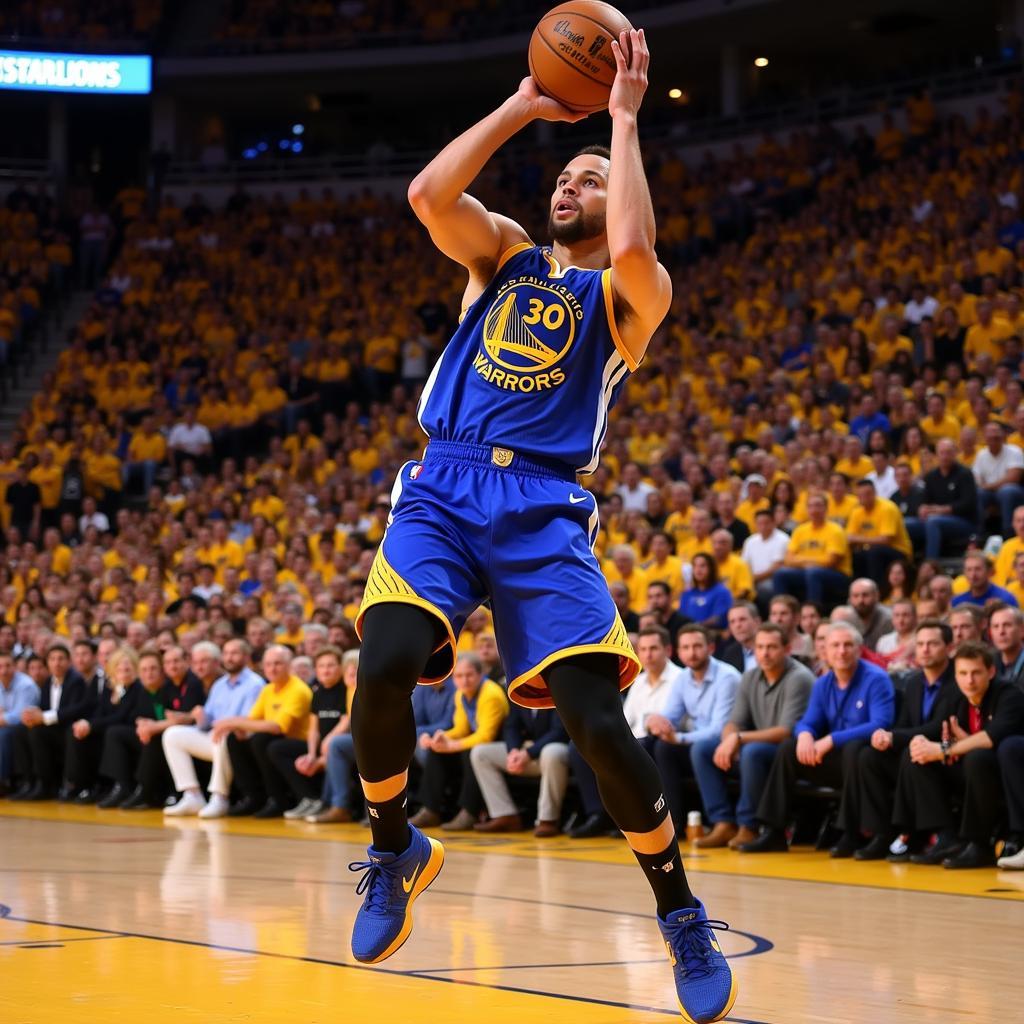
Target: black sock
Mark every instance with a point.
(665, 875)
(389, 824)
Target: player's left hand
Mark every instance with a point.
(632, 59)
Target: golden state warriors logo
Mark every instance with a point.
(527, 331)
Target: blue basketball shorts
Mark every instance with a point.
(470, 523)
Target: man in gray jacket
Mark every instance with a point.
(770, 700)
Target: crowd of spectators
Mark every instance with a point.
(319, 24)
(210, 461)
(35, 263)
(85, 21)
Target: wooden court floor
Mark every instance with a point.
(119, 916)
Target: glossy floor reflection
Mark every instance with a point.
(137, 919)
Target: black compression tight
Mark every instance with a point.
(586, 692)
(398, 639)
(585, 689)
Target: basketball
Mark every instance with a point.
(571, 57)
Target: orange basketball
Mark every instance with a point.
(571, 57)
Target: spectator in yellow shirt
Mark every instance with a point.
(732, 570)
(1005, 572)
(281, 709)
(985, 337)
(481, 708)
(939, 423)
(876, 533)
(818, 563)
(854, 464)
(755, 500)
(622, 568)
(889, 141)
(699, 541)
(663, 566)
(47, 476)
(1016, 585)
(841, 502)
(146, 451)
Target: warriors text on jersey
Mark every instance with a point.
(535, 364)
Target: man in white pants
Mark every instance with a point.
(534, 743)
(234, 693)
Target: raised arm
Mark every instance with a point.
(642, 287)
(459, 224)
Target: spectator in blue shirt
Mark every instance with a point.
(708, 601)
(869, 419)
(17, 692)
(697, 708)
(230, 696)
(848, 703)
(978, 571)
(433, 708)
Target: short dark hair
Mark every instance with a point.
(694, 627)
(974, 650)
(659, 631)
(771, 627)
(660, 583)
(602, 151)
(62, 647)
(943, 627)
(84, 642)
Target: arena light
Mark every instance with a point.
(760, 62)
(675, 94)
(298, 129)
(75, 73)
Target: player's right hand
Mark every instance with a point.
(544, 107)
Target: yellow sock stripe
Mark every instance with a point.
(650, 843)
(386, 789)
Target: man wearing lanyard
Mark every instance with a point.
(957, 756)
(926, 696)
(701, 699)
(848, 703)
(1006, 628)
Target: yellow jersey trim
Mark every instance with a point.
(512, 250)
(385, 586)
(609, 308)
(615, 641)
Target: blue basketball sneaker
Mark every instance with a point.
(705, 985)
(391, 884)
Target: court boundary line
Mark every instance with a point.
(455, 847)
(6, 915)
(761, 945)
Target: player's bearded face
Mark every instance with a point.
(581, 227)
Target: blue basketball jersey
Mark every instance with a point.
(535, 364)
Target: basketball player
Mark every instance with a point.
(516, 406)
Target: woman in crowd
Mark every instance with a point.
(899, 582)
(135, 683)
(707, 601)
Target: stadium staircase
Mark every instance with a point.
(39, 359)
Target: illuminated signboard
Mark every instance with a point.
(75, 72)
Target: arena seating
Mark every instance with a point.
(828, 288)
(86, 22)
